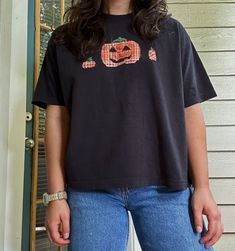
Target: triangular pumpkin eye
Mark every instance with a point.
(126, 48)
(112, 49)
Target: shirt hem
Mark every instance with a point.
(44, 102)
(133, 182)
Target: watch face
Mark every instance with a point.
(45, 199)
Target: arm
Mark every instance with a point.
(197, 148)
(56, 137)
(202, 199)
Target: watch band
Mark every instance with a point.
(57, 196)
(54, 196)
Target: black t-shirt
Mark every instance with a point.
(126, 106)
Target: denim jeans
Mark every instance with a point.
(162, 217)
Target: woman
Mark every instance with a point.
(122, 83)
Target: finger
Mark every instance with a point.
(55, 235)
(215, 238)
(212, 229)
(49, 237)
(65, 226)
(48, 233)
(197, 213)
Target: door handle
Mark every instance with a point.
(29, 143)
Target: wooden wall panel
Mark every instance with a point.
(219, 63)
(221, 164)
(224, 86)
(212, 39)
(219, 112)
(211, 14)
(221, 138)
(223, 190)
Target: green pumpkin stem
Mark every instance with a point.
(120, 39)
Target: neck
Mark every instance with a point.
(120, 7)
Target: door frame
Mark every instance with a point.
(29, 128)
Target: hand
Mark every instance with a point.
(203, 203)
(58, 214)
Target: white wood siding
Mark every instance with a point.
(211, 26)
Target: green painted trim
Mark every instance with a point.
(29, 128)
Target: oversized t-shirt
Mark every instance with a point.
(126, 104)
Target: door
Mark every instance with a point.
(48, 14)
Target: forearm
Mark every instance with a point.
(197, 146)
(56, 136)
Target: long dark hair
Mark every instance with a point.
(83, 31)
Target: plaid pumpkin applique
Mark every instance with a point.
(120, 51)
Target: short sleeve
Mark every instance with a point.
(48, 89)
(196, 83)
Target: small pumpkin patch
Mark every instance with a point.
(152, 54)
(89, 63)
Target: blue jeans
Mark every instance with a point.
(162, 218)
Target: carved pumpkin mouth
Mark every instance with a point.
(120, 59)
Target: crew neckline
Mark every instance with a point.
(118, 16)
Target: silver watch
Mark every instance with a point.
(53, 196)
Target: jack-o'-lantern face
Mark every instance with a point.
(120, 51)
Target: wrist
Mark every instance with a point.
(55, 202)
(48, 197)
(201, 187)
(55, 191)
